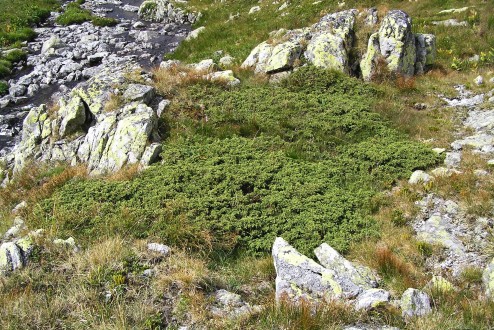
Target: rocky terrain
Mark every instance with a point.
(333, 176)
(62, 56)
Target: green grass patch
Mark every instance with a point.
(74, 14)
(17, 17)
(4, 88)
(301, 161)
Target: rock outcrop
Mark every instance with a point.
(300, 279)
(330, 43)
(83, 131)
(165, 12)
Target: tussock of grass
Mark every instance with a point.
(74, 14)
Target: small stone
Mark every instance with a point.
(479, 80)
(68, 243)
(19, 207)
(151, 154)
(439, 150)
(160, 248)
(206, 66)
(254, 10)
(170, 64)
(491, 99)
(226, 60)
(148, 272)
(162, 106)
(138, 25)
(419, 176)
(420, 106)
(415, 303)
(372, 298)
(195, 33)
(441, 172)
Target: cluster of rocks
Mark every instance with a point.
(443, 223)
(61, 56)
(164, 11)
(331, 43)
(84, 131)
(301, 279)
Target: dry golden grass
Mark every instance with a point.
(114, 102)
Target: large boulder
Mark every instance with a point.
(353, 279)
(283, 56)
(72, 115)
(327, 50)
(330, 43)
(299, 278)
(105, 141)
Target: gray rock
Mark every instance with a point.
(353, 279)
(72, 115)
(415, 303)
(254, 9)
(226, 61)
(488, 279)
(419, 176)
(140, 93)
(394, 42)
(230, 305)
(479, 80)
(51, 44)
(299, 278)
(159, 248)
(162, 106)
(151, 154)
(450, 22)
(195, 33)
(372, 298)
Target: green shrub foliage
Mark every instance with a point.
(301, 160)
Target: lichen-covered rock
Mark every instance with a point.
(372, 298)
(139, 93)
(151, 154)
(72, 115)
(396, 44)
(439, 284)
(299, 278)
(327, 50)
(488, 279)
(283, 56)
(258, 58)
(370, 59)
(32, 133)
(437, 230)
(195, 33)
(10, 257)
(353, 279)
(163, 11)
(225, 77)
(230, 305)
(340, 24)
(14, 255)
(107, 140)
(415, 303)
(126, 144)
(204, 66)
(419, 176)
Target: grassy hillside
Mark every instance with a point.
(312, 159)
